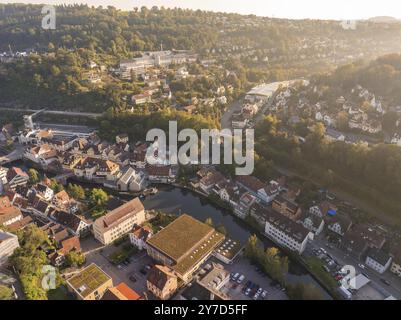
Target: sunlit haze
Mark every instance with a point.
(316, 9)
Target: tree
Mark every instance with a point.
(75, 259)
(34, 176)
(98, 197)
(301, 291)
(220, 228)
(209, 222)
(29, 260)
(6, 293)
(56, 186)
(342, 120)
(76, 191)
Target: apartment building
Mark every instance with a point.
(8, 243)
(286, 232)
(119, 221)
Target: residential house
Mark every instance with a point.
(40, 207)
(69, 161)
(75, 224)
(161, 282)
(60, 143)
(17, 177)
(361, 237)
(258, 188)
(122, 138)
(322, 209)
(396, 262)
(63, 247)
(142, 98)
(3, 175)
(246, 201)
(378, 260)
(44, 191)
(108, 170)
(42, 154)
(131, 180)
(63, 201)
(139, 156)
(9, 214)
(121, 292)
(339, 224)
(228, 192)
(163, 174)
(210, 180)
(286, 207)
(139, 235)
(313, 223)
(86, 168)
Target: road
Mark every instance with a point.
(55, 112)
(344, 258)
(13, 156)
(226, 118)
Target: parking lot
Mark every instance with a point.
(253, 279)
(133, 273)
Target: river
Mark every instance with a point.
(177, 201)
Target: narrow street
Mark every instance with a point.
(344, 258)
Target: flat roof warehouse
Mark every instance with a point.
(267, 90)
(186, 241)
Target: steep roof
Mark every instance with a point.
(121, 213)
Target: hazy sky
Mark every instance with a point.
(323, 9)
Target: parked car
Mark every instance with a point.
(235, 277)
(386, 282)
(362, 266)
(264, 294)
(241, 279)
(326, 268)
(247, 291)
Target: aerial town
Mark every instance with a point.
(84, 205)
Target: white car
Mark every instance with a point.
(240, 279)
(362, 266)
